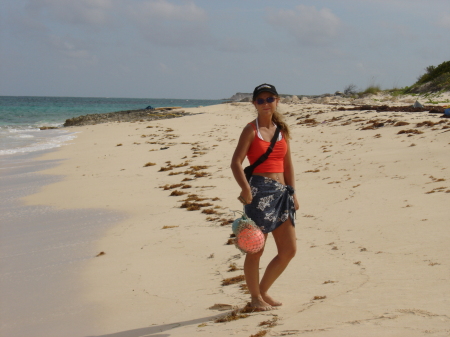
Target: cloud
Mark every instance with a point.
(162, 10)
(444, 21)
(235, 45)
(164, 23)
(79, 12)
(72, 48)
(307, 24)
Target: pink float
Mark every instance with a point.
(250, 239)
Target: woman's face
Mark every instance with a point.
(266, 108)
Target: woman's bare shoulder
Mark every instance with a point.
(248, 130)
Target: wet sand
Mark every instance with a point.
(43, 251)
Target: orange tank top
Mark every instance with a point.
(275, 162)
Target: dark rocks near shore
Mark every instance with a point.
(383, 108)
(125, 116)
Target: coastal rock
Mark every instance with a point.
(290, 99)
(239, 96)
(295, 99)
(125, 116)
(322, 100)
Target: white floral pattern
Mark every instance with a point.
(254, 190)
(284, 216)
(271, 216)
(267, 180)
(264, 202)
(280, 187)
(272, 203)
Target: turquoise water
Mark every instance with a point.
(21, 117)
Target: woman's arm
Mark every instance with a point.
(245, 140)
(289, 175)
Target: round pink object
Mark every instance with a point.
(250, 240)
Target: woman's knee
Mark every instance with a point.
(254, 256)
(287, 253)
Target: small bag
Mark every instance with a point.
(248, 172)
(249, 169)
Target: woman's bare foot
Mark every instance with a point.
(259, 304)
(269, 300)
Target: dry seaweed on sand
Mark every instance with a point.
(410, 131)
(210, 211)
(232, 267)
(171, 167)
(194, 197)
(309, 121)
(232, 316)
(316, 298)
(244, 288)
(194, 206)
(312, 171)
(260, 333)
(237, 314)
(177, 193)
(425, 123)
(149, 164)
(169, 187)
(225, 222)
(167, 227)
(233, 280)
(199, 167)
(270, 323)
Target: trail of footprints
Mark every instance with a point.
(214, 213)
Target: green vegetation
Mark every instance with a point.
(435, 79)
(372, 89)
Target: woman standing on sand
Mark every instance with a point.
(269, 197)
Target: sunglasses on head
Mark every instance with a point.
(261, 101)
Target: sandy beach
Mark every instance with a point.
(372, 229)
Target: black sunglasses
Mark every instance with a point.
(261, 101)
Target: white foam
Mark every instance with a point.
(47, 144)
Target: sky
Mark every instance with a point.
(211, 49)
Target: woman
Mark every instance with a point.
(269, 197)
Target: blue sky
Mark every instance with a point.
(215, 48)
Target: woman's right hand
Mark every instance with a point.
(246, 196)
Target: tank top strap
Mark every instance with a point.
(253, 126)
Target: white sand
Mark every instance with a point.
(371, 241)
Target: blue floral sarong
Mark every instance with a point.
(272, 204)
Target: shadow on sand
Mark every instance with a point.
(155, 330)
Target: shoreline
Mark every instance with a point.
(152, 277)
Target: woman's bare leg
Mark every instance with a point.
(285, 240)
(251, 271)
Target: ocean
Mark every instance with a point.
(21, 117)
